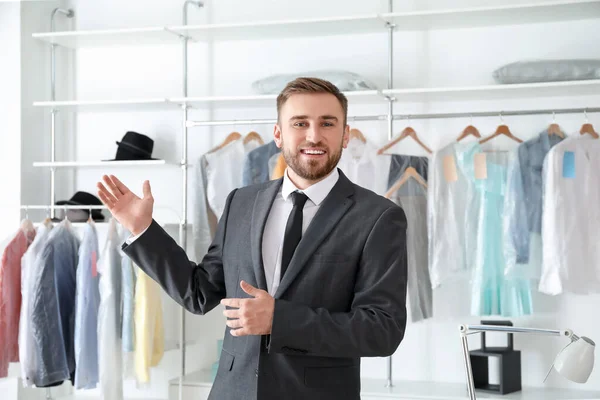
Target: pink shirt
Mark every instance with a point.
(10, 298)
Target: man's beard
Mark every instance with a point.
(310, 169)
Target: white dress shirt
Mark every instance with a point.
(272, 245)
(570, 218)
(364, 167)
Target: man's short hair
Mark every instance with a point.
(311, 85)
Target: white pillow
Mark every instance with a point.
(345, 81)
(548, 71)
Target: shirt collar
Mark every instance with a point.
(316, 193)
(367, 152)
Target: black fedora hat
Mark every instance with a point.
(134, 146)
(83, 199)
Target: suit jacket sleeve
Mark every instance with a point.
(374, 326)
(197, 287)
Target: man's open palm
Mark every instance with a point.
(134, 213)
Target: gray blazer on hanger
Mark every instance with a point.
(342, 297)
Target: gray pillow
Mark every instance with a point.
(548, 71)
(344, 80)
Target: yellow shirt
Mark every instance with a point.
(149, 331)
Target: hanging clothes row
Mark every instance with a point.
(363, 163)
(218, 172)
(491, 213)
(68, 313)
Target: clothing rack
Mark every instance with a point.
(425, 116)
(389, 117)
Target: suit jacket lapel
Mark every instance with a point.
(262, 206)
(333, 208)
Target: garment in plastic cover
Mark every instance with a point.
(217, 174)
(10, 294)
(522, 219)
(129, 278)
(86, 314)
(452, 212)
(52, 301)
(364, 167)
(110, 350)
(492, 294)
(149, 330)
(345, 81)
(411, 195)
(27, 359)
(570, 233)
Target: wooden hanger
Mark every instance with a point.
(253, 135)
(279, 168)
(232, 137)
(554, 129)
(407, 132)
(409, 173)
(501, 130)
(469, 130)
(589, 129)
(357, 134)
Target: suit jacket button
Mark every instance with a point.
(256, 372)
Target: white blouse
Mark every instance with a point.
(571, 216)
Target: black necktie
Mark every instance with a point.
(293, 230)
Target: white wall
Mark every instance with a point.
(10, 115)
(458, 57)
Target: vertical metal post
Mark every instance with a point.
(390, 121)
(69, 14)
(390, 83)
(469, 371)
(184, 181)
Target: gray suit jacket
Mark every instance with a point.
(342, 297)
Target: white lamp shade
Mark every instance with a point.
(576, 361)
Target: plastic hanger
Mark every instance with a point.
(357, 134)
(66, 222)
(26, 224)
(253, 135)
(501, 130)
(407, 132)
(90, 220)
(409, 173)
(232, 137)
(588, 128)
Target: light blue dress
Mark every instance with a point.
(492, 294)
(86, 315)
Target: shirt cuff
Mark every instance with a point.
(133, 238)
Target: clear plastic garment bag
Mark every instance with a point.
(408, 189)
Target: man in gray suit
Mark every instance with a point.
(311, 267)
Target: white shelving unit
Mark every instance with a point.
(200, 382)
(102, 164)
(488, 92)
(532, 13)
(513, 14)
(108, 105)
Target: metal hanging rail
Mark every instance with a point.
(69, 13)
(501, 113)
(424, 116)
(191, 124)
